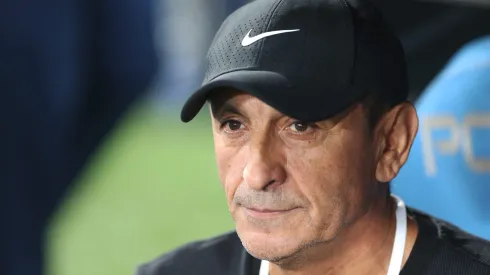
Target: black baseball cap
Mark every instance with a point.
(309, 59)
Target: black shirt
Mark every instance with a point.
(440, 249)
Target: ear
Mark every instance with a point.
(395, 135)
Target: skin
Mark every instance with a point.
(312, 198)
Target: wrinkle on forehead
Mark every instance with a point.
(231, 101)
(241, 103)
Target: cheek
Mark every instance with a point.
(319, 174)
(330, 177)
(231, 163)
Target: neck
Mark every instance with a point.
(363, 247)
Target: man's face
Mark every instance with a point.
(291, 185)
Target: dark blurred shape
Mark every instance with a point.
(432, 31)
(68, 70)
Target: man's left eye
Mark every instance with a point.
(299, 127)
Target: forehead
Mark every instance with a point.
(228, 100)
(234, 101)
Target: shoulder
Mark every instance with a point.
(210, 255)
(463, 243)
(453, 251)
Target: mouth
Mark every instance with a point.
(262, 213)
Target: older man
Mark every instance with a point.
(311, 123)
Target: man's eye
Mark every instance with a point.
(232, 125)
(299, 127)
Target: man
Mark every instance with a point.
(311, 123)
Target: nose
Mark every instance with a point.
(264, 169)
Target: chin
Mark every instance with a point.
(270, 246)
(277, 238)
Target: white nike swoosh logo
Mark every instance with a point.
(247, 40)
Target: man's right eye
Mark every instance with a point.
(232, 125)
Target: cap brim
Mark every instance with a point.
(265, 85)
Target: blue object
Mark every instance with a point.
(68, 70)
(448, 172)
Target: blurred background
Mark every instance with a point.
(98, 173)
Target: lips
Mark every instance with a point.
(263, 213)
(260, 210)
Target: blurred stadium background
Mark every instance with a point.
(151, 184)
(151, 187)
